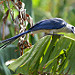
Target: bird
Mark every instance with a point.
(50, 26)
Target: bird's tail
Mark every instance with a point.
(12, 39)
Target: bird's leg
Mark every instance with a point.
(56, 34)
(59, 34)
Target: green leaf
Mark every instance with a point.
(50, 54)
(6, 54)
(26, 58)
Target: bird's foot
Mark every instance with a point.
(56, 34)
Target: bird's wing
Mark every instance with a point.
(55, 23)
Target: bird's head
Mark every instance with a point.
(71, 28)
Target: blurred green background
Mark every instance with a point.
(44, 9)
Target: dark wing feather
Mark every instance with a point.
(55, 23)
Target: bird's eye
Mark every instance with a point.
(72, 27)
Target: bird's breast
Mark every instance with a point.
(52, 31)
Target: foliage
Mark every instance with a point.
(53, 56)
(55, 8)
(9, 53)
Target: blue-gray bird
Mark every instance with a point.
(49, 26)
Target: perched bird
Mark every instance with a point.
(49, 26)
